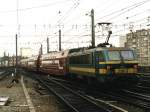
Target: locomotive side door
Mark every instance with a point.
(99, 62)
(99, 66)
(96, 63)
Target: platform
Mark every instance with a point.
(23, 97)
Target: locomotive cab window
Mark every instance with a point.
(127, 55)
(114, 55)
(101, 56)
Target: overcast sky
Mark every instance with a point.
(39, 19)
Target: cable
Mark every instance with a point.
(75, 5)
(106, 5)
(128, 28)
(138, 14)
(129, 17)
(126, 8)
(35, 7)
(125, 11)
(135, 21)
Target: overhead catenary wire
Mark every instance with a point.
(127, 24)
(131, 17)
(80, 34)
(75, 5)
(121, 13)
(36, 7)
(62, 19)
(132, 7)
(106, 5)
(127, 29)
(67, 31)
(124, 9)
(136, 5)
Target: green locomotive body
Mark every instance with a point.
(104, 64)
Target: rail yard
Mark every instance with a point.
(74, 56)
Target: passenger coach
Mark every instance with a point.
(54, 63)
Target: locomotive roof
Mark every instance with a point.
(119, 48)
(86, 51)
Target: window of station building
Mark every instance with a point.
(81, 59)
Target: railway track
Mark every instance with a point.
(126, 97)
(144, 80)
(139, 100)
(7, 71)
(74, 100)
(3, 75)
(141, 89)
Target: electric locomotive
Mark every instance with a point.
(104, 64)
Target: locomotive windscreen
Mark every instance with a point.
(127, 55)
(114, 55)
(122, 54)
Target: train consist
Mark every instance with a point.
(101, 64)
